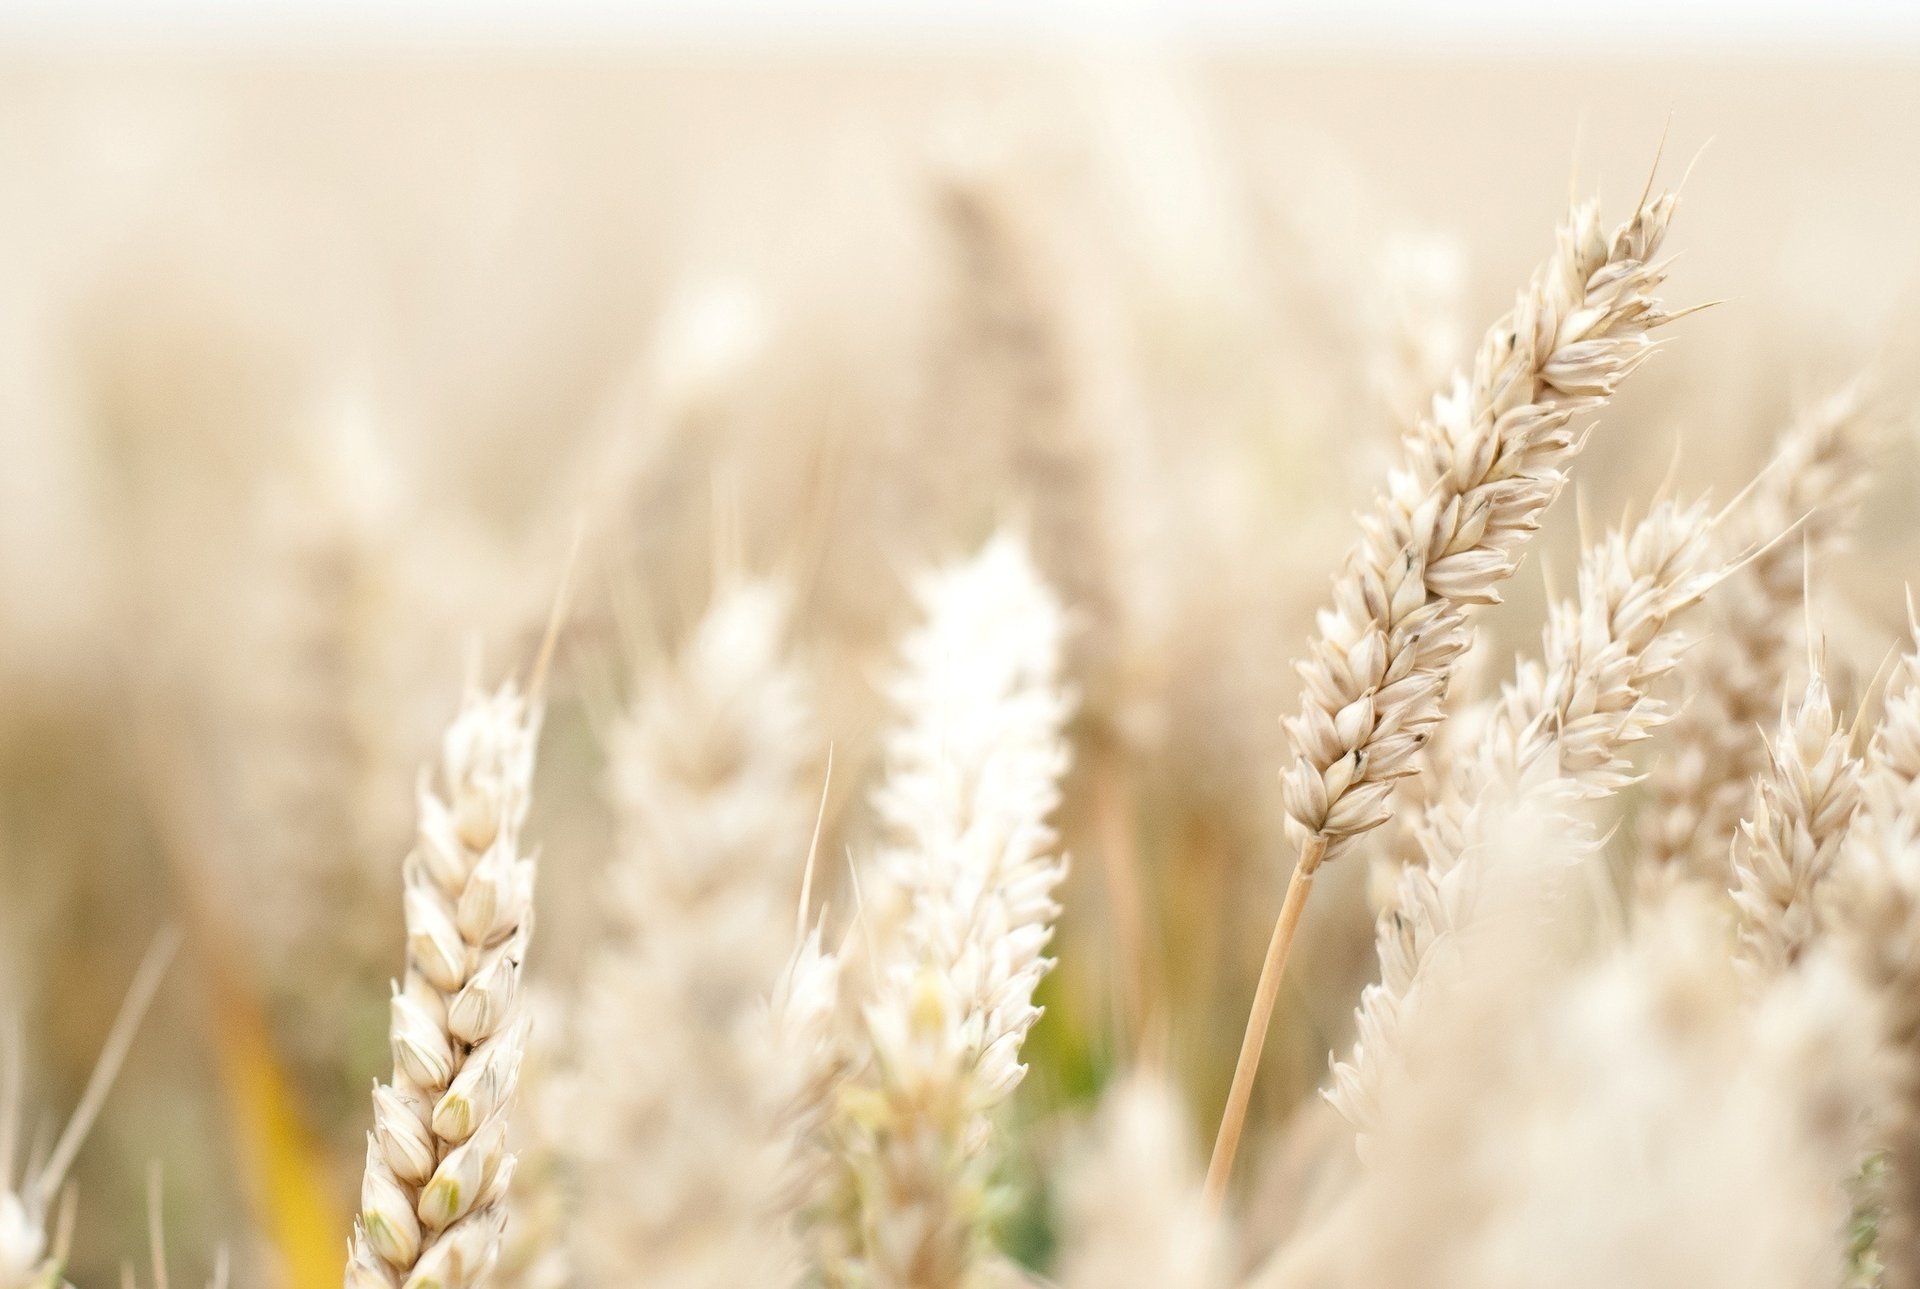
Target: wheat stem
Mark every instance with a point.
(1233, 1120)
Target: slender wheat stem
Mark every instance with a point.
(32, 1256)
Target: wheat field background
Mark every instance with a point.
(314, 369)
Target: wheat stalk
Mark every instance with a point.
(1817, 475)
(1802, 806)
(973, 773)
(431, 1199)
(712, 775)
(1567, 718)
(1448, 529)
(31, 1255)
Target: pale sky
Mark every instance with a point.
(1734, 27)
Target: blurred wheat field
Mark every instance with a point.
(317, 369)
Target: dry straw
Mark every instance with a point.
(1478, 473)
(32, 1255)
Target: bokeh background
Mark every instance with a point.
(324, 330)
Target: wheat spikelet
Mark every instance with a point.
(1817, 474)
(1484, 465)
(712, 775)
(431, 1200)
(972, 774)
(1563, 723)
(1802, 806)
(1134, 1215)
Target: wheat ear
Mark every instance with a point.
(1875, 897)
(1479, 472)
(431, 1200)
(1817, 475)
(1569, 715)
(713, 781)
(1802, 806)
(1134, 1214)
(1031, 368)
(972, 774)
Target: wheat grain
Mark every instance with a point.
(1491, 1163)
(431, 1198)
(1035, 368)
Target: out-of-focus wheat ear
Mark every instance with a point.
(1442, 536)
(1035, 367)
(712, 776)
(1803, 804)
(432, 1196)
(1874, 910)
(1816, 478)
(1134, 1213)
(973, 773)
(1563, 726)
